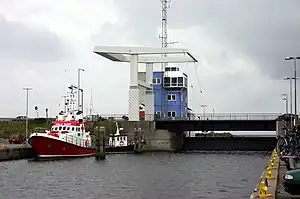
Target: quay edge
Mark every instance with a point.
(15, 152)
(269, 182)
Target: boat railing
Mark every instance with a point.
(77, 141)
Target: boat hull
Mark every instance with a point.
(119, 149)
(46, 147)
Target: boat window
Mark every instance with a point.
(124, 138)
(59, 128)
(68, 128)
(78, 134)
(73, 128)
(121, 138)
(117, 138)
(77, 129)
(55, 128)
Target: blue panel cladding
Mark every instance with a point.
(161, 103)
(179, 105)
(158, 93)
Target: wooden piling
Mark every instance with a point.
(138, 139)
(100, 143)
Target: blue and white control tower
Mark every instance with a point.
(170, 93)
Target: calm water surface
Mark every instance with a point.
(159, 175)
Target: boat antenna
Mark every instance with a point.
(91, 102)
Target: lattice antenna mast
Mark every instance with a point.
(164, 26)
(91, 102)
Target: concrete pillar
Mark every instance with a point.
(149, 73)
(177, 141)
(149, 97)
(149, 105)
(134, 99)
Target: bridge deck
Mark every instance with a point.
(216, 125)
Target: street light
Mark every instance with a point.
(203, 109)
(291, 97)
(26, 127)
(78, 90)
(285, 98)
(295, 79)
(213, 113)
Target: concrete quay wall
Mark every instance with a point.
(156, 139)
(13, 152)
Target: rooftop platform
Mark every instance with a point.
(122, 54)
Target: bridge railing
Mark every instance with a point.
(235, 116)
(205, 116)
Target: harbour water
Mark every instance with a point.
(152, 175)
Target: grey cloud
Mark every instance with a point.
(142, 24)
(266, 31)
(21, 43)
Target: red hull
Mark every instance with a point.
(46, 147)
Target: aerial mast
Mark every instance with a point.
(164, 27)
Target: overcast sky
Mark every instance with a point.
(240, 46)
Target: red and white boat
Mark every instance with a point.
(67, 137)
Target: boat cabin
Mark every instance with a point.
(117, 140)
(67, 129)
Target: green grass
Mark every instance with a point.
(18, 127)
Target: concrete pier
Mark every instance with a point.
(15, 152)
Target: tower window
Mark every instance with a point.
(180, 81)
(156, 81)
(171, 114)
(185, 82)
(171, 97)
(167, 81)
(174, 81)
(157, 114)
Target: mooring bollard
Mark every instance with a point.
(100, 143)
(263, 190)
(269, 174)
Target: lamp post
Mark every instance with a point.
(78, 90)
(213, 114)
(295, 80)
(291, 98)
(203, 110)
(26, 125)
(285, 98)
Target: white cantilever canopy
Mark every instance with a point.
(123, 53)
(136, 55)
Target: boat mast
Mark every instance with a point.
(79, 92)
(91, 103)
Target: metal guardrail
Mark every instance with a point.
(206, 116)
(77, 141)
(196, 116)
